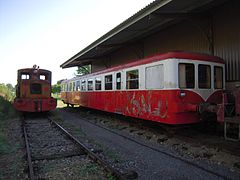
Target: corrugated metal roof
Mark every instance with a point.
(157, 15)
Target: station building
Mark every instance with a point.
(206, 26)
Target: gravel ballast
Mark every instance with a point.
(158, 162)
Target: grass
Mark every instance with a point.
(56, 117)
(6, 112)
(75, 129)
(79, 131)
(114, 156)
(5, 148)
(111, 177)
(9, 146)
(6, 109)
(89, 169)
(70, 168)
(47, 167)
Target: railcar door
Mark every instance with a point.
(67, 94)
(118, 92)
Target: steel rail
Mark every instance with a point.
(92, 155)
(29, 159)
(160, 151)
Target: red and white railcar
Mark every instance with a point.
(167, 88)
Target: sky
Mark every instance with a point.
(49, 32)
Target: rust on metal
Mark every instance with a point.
(29, 159)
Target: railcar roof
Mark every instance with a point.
(31, 69)
(170, 55)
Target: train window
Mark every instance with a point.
(132, 79)
(70, 86)
(25, 76)
(154, 77)
(42, 77)
(204, 76)
(35, 88)
(118, 80)
(74, 85)
(218, 77)
(83, 85)
(78, 86)
(186, 75)
(90, 84)
(108, 82)
(98, 84)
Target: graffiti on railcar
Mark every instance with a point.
(139, 104)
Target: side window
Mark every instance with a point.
(118, 80)
(186, 75)
(90, 84)
(25, 76)
(83, 85)
(204, 76)
(108, 82)
(132, 81)
(74, 85)
(70, 86)
(98, 84)
(154, 77)
(218, 77)
(78, 86)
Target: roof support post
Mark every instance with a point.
(211, 36)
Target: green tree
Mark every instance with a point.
(7, 91)
(82, 70)
(60, 81)
(56, 88)
(7, 95)
(10, 87)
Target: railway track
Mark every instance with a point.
(163, 152)
(48, 145)
(206, 134)
(208, 170)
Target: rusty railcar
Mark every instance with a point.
(171, 88)
(168, 88)
(33, 91)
